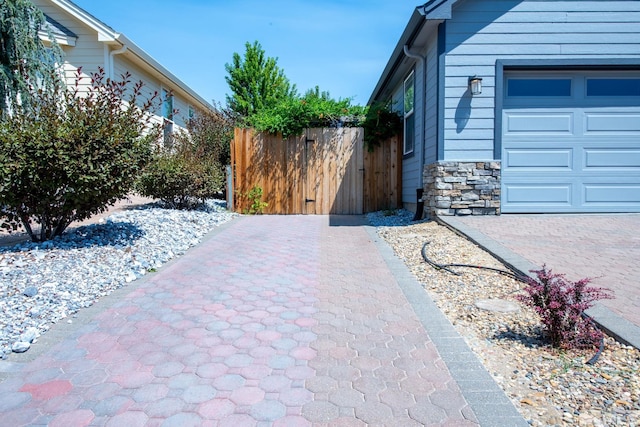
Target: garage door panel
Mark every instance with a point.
(612, 159)
(536, 159)
(532, 194)
(556, 194)
(607, 195)
(612, 123)
(532, 123)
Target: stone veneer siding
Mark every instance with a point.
(462, 188)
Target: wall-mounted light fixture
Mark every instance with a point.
(475, 85)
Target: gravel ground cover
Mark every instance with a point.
(549, 387)
(45, 283)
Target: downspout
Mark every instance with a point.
(113, 53)
(420, 202)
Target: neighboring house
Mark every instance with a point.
(90, 44)
(556, 125)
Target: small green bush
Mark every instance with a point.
(73, 154)
(291, 116)
(254, 197)
(181, 179)
(190, 169)
(380, 124)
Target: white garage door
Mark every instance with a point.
(571, 142)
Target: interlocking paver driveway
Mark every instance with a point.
(604, 247)
(273, 320)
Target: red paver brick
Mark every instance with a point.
(247, 395)
(47, 390)
(79, 418)
(129, 419)
(216, 409)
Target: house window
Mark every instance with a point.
(192, 112)
(167, 104)
(167, 113)
(409, 119)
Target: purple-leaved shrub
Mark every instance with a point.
(561, 303)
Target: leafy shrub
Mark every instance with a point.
(290, 116)
(73, 154)
(210, 133)
(191, 169)
(380, 124)
(182, 180)
(254, 197)
(560, 304)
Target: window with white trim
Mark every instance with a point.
(167, 113)
(167, 104)
(409, 116)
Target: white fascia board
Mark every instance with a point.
(59, 39)
(105, 33)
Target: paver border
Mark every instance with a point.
(613, 324)
(488, 401)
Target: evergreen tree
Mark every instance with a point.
(24, 59)
(256, 81)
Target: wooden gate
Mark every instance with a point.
(325, 171)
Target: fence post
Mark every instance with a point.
(230, 206)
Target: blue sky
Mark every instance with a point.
(341, 46)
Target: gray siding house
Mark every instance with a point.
(555, 126)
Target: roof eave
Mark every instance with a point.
(166, 76)
(58, 38)
(110, 37)
(105, 33)
(437, 9)
(434, 12)
(411, 31)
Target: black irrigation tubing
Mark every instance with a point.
(446, 267)
(596, 356)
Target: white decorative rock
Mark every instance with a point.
(20, 346)
(29, 335)
(498, 305)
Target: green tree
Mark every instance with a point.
(24, 60)
(73, 155)
(256, 81)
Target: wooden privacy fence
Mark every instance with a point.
(325, 171)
